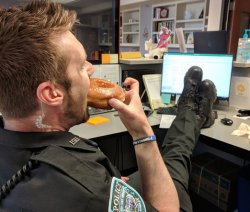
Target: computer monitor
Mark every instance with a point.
(216, 67)
(210, 42)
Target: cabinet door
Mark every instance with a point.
(239, 19)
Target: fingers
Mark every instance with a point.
(132, 83)
(131, 112)
(125, 179)
(133, 86)
(117, 104)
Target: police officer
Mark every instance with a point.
(44, 81)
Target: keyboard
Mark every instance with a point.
(95, 111)
(167, 110)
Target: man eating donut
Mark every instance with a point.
(44, 83)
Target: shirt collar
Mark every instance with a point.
(42, 139)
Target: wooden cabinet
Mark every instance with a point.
(130, 27)
(190, 15)
(239, 20)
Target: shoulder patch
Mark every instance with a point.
(124, 198)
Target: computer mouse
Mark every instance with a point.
(226, 121)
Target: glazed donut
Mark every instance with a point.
(101, 91)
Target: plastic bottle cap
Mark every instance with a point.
(246, 33)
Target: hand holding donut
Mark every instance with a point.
(131, 113)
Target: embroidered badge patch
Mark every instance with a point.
(124, 198)
(74, 140)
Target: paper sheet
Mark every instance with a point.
(166, 121)
(243, 129)
(243, 117)
(152, 84)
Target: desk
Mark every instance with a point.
(218, 132)
(114, 140)
(141, 64)
(222, 133)
(140, 61)
(113, 126)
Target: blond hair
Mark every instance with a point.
(28, 56)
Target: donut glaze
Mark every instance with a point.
(101, 91)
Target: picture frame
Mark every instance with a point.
(164, 12)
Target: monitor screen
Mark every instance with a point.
(216, 67)
(210, 42)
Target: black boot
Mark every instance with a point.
(207, 95)
(192, 81)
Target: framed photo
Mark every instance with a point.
(164, 13)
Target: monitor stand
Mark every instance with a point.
(221, 105)
(173, 99)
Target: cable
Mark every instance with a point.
(143, 93)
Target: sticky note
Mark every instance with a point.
(105, 58)
(109, 58)
(113, 58)
(97, 120)
(130, 55)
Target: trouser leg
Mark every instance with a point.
(176, 151)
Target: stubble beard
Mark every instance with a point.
(75, 112)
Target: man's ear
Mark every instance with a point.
(49, 94)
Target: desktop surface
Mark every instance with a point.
(217, 132)
(216, 67)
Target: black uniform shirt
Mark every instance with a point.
(97, 186)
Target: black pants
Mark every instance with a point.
(177, 148)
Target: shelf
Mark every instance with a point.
(241, 65)
(130, 23)
(183, 14)
(189, 21)
(105, 44)
(173, 45)
(130, 44)
(130, 33)
(139, 61)
(156, 33)
(163, 19)
(192, 29)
